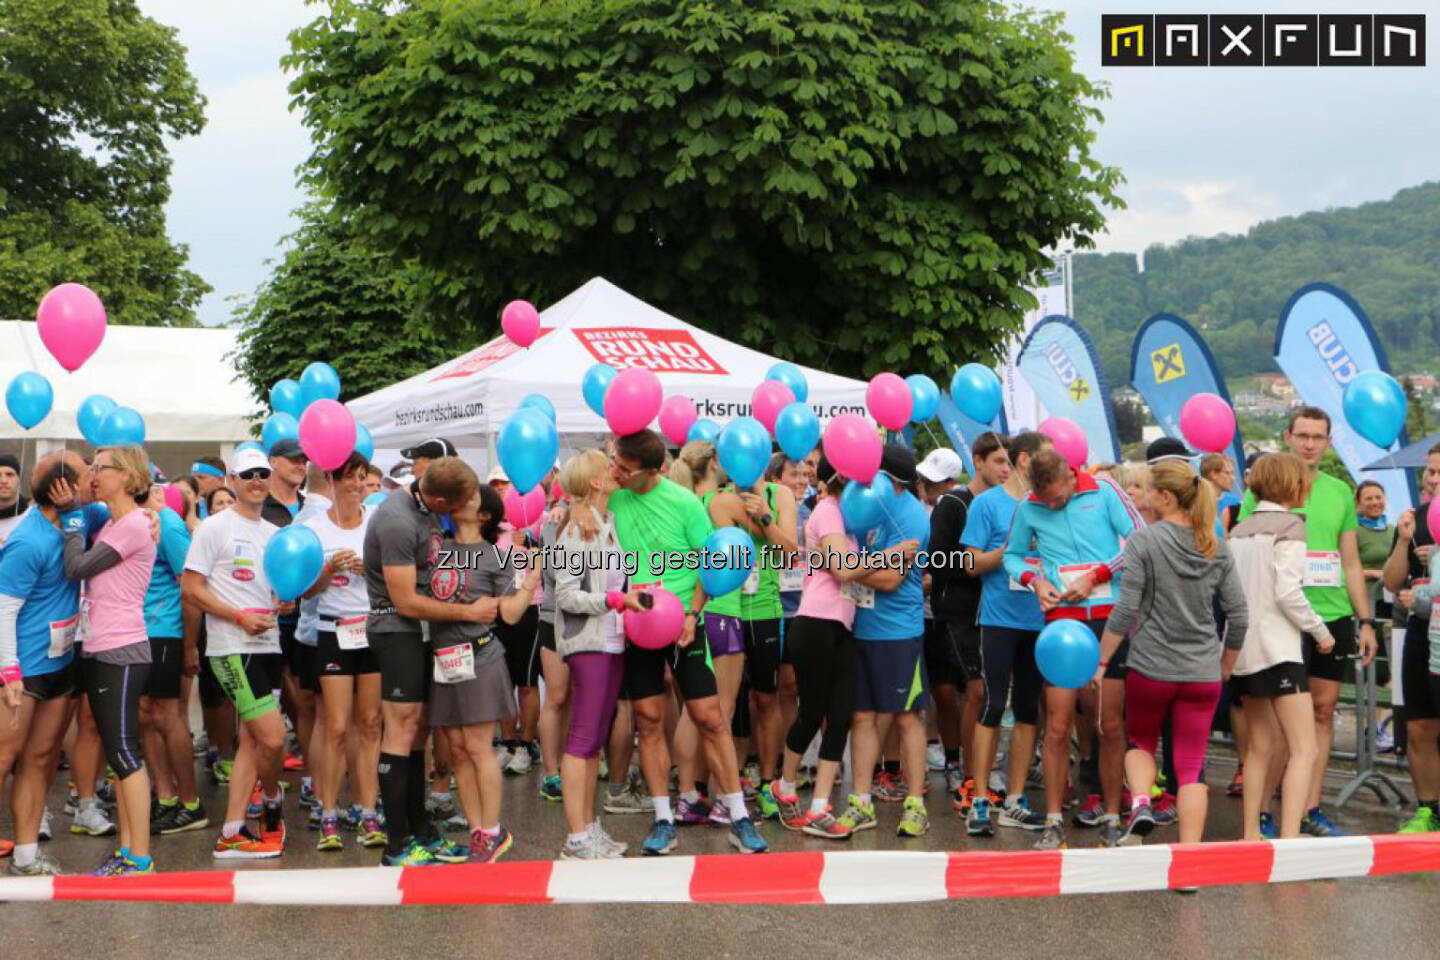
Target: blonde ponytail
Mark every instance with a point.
(1194, 495)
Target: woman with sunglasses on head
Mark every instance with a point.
(115, 652)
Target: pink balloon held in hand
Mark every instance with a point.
(1069, 440)
(889, 400)
(677, 413)
(521, 322)
(524, 510)
(327, 433)
(632, 400)
(1207, 422)
(658, 627)
(768, 400)
(853, 447)
(71, 321)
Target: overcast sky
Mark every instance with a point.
(1204, 151)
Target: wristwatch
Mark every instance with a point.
(765, 521)
(1371, 621)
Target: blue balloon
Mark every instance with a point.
(864, 506)
(528, 446)
(596, 382)
(927, 398)
(278, 427)
(726, 561)
(287, 397)
(250, 445)
(790, 375)
(1067, 653)
(29, 398)
(122, 427)
(797, 430)
(1375, 407)
(743, 448)
(539, 402)
(91, 415)
(703, 429)
(293, 559)
(376, 498)
(364, 443)
(318, 382)
(976, 391)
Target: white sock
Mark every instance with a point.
(578, 838)
(691, 796)
(818, 805)
(1110, 818)
(736, 804)
(787, 788)
(232, 828)
(307, 782)
(662, 808)
(329, 814)
(1139, 800)
(1055, 819)
(25, 853)
(864, 799)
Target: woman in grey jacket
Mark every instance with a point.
(590, 599)
(1174, 569)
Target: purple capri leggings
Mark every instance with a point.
(1191, 707)
(594, 688)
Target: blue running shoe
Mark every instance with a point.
(660, 840)
(1268, 830)
(1316, 824)
(745, 838)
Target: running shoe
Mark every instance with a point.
(489, 849)
(586, 848)
(890, 788)
(1237, 784)
(630, 800)
(272, 825)
(413, 855)
(520, 761)
(934, 756)
(441, 808)
(161, 814)
(751, 772)
(183, 819)
(106, 790)
(1113, 835)
(790, 813)
(804, 778)
(129, 868)
(293, 762)
(604, 772)
(964, 797)
(1091, 813)
(63, 762)
(660, 840)
(550, 789)
(613, 848)
(502, 754)
(1385, 737)
(690, 813)
(246, 846)
(257, 803)
(91, 820)
(1166, 810)
(1142, 820)
(447, 851)
(745, 838)
(72, 802)
(858, 816)
(1020, 816)
(312, 819)
(308, 800)
(1422, 821)
(372, 832)
(220, 771)
(914, 821)
(41, 866)
(110, 866)
(978, 823)
(47, 829)
(1268, 830)
(1316, 824)
(719, 814)
(765, 802)
(1053, 838)
(7, 847)
(954, 777)
(824, 824)
(330, 835)
(748, 789)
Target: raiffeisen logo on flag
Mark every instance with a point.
(486, 356)
(659, 351)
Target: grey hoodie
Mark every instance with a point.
(1167, 605)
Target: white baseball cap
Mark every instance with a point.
(940, 464)
(497, 472)
(249, 459)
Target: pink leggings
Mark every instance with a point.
(1191, 707)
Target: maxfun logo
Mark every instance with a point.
(1068, 373)
(1328, 345)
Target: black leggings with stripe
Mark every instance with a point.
(823, 654)
(114, 693)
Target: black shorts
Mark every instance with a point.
(1332, 665)
(694, 673)
(167, 656)
(890, 676)
(303, 663)
(787, 629)
(45, 687)
(212, 695)
(1115, 669)
(1281, 680)
(547, 636)
(952, 652)
(1422, 699)
(762, 654)
(331, 661)
(522, 647)
(404, 660)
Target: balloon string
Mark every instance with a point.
(931, 433)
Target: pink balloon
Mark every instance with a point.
(327, 433)
(853, 447)
(521, 322)
(1069, 440)
(768, 400)
(632, 400)
(558, 494)
(889, 400)
(71, 320)
(174, 499)
(660, 626)
(524, 509)
(1207, 422)
(676, 415)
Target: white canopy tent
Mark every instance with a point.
(468, 399)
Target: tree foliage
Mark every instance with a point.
(855, 185)
(89, 89)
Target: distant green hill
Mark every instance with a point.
(1232, 288)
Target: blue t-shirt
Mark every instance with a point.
(987, 527)
(162, 600)
(898, 614)
(32, 569)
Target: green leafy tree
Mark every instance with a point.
(89, 90)
(855, 185)
(332, 298)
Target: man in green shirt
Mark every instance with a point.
(1335, 586)
(665, 526)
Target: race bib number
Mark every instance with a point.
(62, 635)
(859, 594)
(751, 586)
(1074, 571)
(350, 633)
(455, 664)
(1034, 564)
(792, 581)
(1322, 569)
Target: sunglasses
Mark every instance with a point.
(255, 473)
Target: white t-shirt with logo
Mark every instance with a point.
(346, 596)
(229, 550)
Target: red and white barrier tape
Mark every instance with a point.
(839, 877)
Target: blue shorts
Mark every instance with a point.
(890, 676)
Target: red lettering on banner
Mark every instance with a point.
(486, 356)
(661, 351)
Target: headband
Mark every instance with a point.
(207, 470)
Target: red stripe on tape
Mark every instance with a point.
(773, 878)
(1026, 873)
(520, 881)
(215, 886)
(1411, 853)
(1213, 864)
